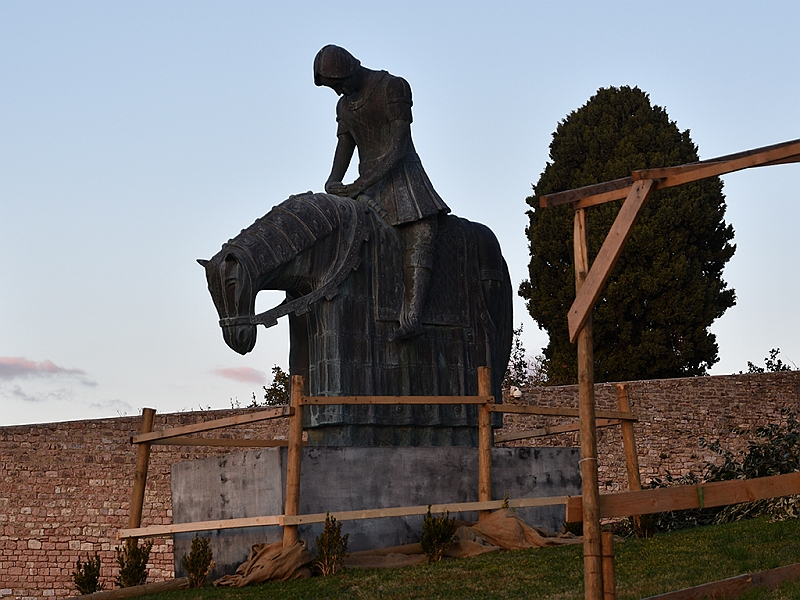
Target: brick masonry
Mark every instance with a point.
(677, 419)
(65, 487)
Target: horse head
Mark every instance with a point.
(263, 255)
(232, 290)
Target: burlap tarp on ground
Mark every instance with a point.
(271, 562)
(502, 530)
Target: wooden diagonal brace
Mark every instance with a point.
(263, 415)
(607, 257)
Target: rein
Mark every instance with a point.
(300, 306)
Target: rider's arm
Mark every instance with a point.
(341, 161)
(399, 134)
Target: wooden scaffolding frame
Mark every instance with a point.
(291, 518)
(631, 503)
(589, 283)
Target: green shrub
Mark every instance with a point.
(775, 451)
(132, 560)
(87, 575)
(437, 535)
(575, 528)
(198, 562)
(331, 547)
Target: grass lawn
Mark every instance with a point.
(666, 562)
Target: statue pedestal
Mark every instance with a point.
(251, 484)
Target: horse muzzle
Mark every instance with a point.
(240, 338)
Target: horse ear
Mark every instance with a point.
(203, 262)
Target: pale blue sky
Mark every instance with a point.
(136, 137)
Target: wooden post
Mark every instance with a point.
(607, 544)
(140, 475)
(629, 444)
(484, 441)
(293, 459)
(628, 440)
(592, 560)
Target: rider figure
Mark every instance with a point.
(374, 115)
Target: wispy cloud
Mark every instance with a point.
(17, 393)
(245, 374)
(112, 405)
(18, 367)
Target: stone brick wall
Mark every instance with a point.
(65, 487)
(677, 419)
(65, 490)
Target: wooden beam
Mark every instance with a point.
(774, 577)
(607, 548)
(140, 473)
(599, 193)
(716, 169)
(351, 515)
(592, 555)
(629, 440)
(607, 257)
(356, 400)
(682, 497)
(484, 441)
(293, 457)
(534, 433)
(608, 188)
(406, 511)
(166, 530)
(719, 166)
(783, 161)
(223, 442)
(262, 415)
(732, 587)
(552, 411)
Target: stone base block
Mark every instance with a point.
(251, 484)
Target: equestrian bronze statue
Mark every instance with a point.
(386, 293)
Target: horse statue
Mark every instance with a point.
(340, 264)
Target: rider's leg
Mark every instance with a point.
(417, 270)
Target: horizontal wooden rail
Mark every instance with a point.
(361, 400)
(351, 515)
(732, 587)
(533, 433)
(550, 411)
(592, 195)
(682, 497)
(407, 511)
(164, 530)
(229, 442)
(262, 415)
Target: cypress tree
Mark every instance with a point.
(652, 319)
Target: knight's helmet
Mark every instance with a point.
(334, 62)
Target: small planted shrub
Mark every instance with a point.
(575, 528)
(437, 535)
(87, 575)
(198, 562)
(132, 560)
(331, 547)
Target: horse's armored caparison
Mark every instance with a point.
(340, 264)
